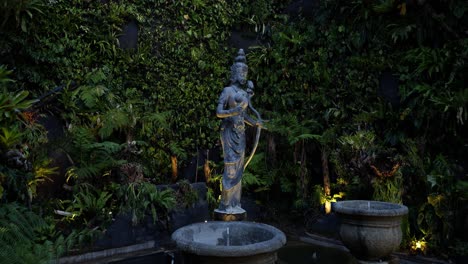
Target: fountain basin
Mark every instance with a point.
(230, 242)
(371, 230)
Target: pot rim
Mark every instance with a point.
(370, 208)
(271, 245)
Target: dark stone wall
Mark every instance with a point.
(123, 233)
(389, 89)
(129, 37)
(198, 212)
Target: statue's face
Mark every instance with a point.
(242, 75)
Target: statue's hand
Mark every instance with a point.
(250, 88)
(250, 85)
(236, 110)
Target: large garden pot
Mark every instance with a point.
(371, 230)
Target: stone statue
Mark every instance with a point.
(232, 108)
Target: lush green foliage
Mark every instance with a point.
(19, 236)
(321, 81)
(143, 198)
(328, 73)
(22, 167)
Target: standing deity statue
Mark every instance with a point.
(232, 107)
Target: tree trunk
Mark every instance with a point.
(303, 171)
(326, 179)
(295, 153)
(206, 167)
(174, 168)
(271, 149)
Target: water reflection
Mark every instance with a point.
(302, 253)
(294, 252)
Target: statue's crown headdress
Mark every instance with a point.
(240, 63)
(240, 56)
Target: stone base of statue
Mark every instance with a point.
(232, 214)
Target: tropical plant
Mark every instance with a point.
(142, 198)
(334, 119)
(20, 168)
(12, 105)
(186, 196)
(19, 236)
(388, 185)
(436, 217)
(91, 206)
(9, 137)
(20, 11)
(92, 158)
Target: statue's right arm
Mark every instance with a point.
(221, 112)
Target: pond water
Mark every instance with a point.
(156, 258)
(292, 253)
(302, 253)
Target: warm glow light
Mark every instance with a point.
(418, 246)
(327, 207)
(327, 201)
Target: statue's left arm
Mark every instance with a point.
(248, 119)
(258, 123)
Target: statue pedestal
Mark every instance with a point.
(222, 215)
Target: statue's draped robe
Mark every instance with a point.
(233, 142)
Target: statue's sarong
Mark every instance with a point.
(233, 140)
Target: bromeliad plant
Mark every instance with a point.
(22, 165)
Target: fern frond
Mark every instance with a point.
(18, 228)
(164, 199)
(155, 121)
(114, 119)
(108, 147)
(401, 32)
(250, 179)
(91, 94)
(93, 158)
(87, 172)
(81, 136)
(383, 6)
(177, 150)
(304, 137)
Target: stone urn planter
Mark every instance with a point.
(371, 230)
(230, 242)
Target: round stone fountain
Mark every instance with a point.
(230, 242)
(371, 230)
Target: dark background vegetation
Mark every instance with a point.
(101, 100)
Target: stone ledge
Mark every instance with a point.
(97, 256)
